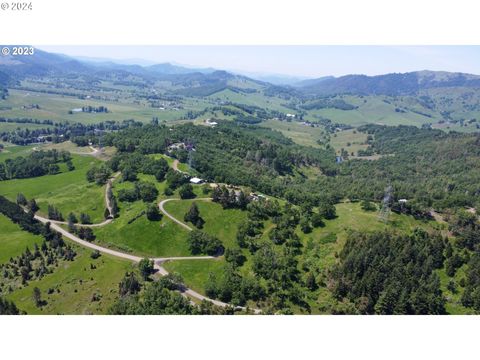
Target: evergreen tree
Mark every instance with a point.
(193, 216)
(21, 200)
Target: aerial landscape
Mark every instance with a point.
(141, 188)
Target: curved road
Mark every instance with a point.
(171, 217)
(158, 262)
(107, 203)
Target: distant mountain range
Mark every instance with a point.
(388, 84)
(206, 81)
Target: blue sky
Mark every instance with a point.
(302, 61)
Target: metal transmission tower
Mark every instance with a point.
(190, 146)
(386, 204)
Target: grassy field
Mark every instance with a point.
(350, 216)
(301, 134)
(350, 140)
(195, 272)
(454, 305)
(56, 107)
(325, 241)
(7, 127)
(141, 236)
(12, 151)
(371, 109)
(69, 191)
(329, 240)
(74, 284)
(256, 99)
(218, 222)
(13, 240)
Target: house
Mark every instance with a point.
(210, 123)
(256, 197)
(402, 201)
(196, 180)
(290, 115)
(176, 146)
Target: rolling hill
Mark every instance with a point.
(388, 84)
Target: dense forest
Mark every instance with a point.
(387, 273)
(428, 167)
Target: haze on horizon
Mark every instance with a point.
(296, 61)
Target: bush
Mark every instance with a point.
(186, 191)
(152, 212)
(368, 206)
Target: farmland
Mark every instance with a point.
(287, 218)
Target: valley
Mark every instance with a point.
(215, 193)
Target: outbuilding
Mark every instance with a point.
(196, 180)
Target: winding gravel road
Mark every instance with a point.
(107, 204)
(158, 262)
(171, 217)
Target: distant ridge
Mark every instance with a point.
(388, 84)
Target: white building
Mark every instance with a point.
(196, 180)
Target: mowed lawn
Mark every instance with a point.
(219, 222)
(73, 286)
(69, 191)
(13, 240)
